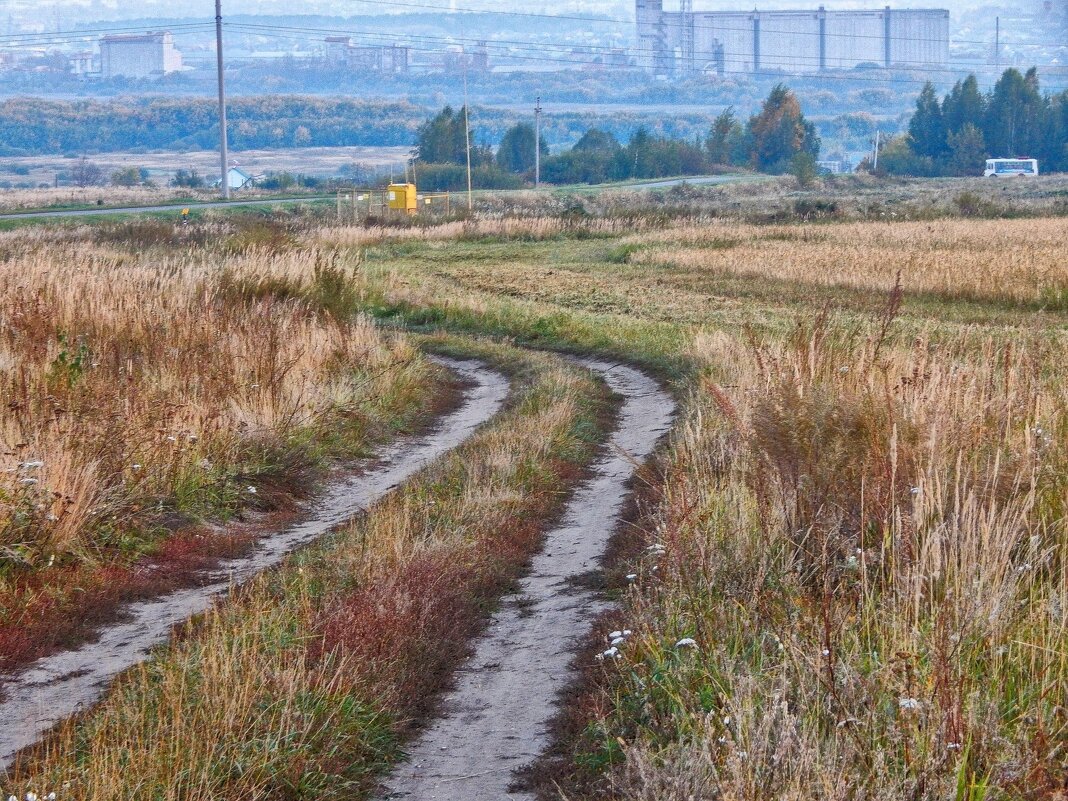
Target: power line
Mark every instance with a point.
(16, 38)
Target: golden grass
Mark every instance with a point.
(1019, 261)
(134, 381)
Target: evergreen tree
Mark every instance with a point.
(516, 153)
(598, 141)
(443, 140)
(963, 105)
(723, 138)
(927, 129)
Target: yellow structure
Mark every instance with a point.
(402, 197)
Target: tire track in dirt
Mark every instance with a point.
(53, 688)
(496, 720)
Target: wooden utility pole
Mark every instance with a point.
(224, 158)
(537, 143)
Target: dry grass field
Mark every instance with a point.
(147, 388)
(846, 576)
(851, 581)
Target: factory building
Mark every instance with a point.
(672, 42)
(149, 55)
(372, 58)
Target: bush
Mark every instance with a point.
(453, 178)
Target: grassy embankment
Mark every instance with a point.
(147, 390)
(861, 526)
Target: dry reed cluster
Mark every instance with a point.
(485, 226)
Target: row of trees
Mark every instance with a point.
(777, 139)
(956, 135)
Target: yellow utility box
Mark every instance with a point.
(403, 197)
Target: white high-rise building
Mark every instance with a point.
(149, 55)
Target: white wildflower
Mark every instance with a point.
(34, 465)
(686, 642)
(29, 482)
(611, 653)
(909, 704)
(251, 490)
(632, 576)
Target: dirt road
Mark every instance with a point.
(495, 721)
(55, 687)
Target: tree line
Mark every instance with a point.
(955, 135)
(777, 139)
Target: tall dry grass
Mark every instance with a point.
(865, 543)
(148, 388)
(1020, 262)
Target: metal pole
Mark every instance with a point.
(875, 162)
(537, 144)
(224, 157)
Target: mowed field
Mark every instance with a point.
(843, 577)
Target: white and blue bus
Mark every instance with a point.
(996, 168)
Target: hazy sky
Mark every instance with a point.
(84, 10)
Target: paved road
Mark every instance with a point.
(176, 208)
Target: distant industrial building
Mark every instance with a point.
(390, 58)
(672, 42)
(149, 55)
(81, 63)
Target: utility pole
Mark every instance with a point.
(537, 143)
(467, 132)
(997, 44)
(224, 157)
(875, 157)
